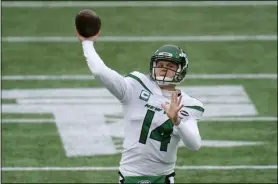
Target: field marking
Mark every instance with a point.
(201, 38)
(189, 76)
(63, 4)
(72, 134)
(28, 120)
(210, 144)
(98, 100)
(219, 119)
(214, 109)
(203, 167)
(241, 119)
(75, 127)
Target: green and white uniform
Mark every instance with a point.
(150, 139)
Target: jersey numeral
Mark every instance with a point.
(161, 133)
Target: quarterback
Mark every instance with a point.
(157, 115)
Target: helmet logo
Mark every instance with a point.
(183, 55)
(165, 54)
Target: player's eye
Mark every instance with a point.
(171, 66)
(160, 65)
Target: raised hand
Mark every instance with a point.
(173, 109)
(81, 38)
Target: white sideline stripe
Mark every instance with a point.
(49, 4)
(28, 120)
(107, 100)
(103, 93)
(90, 77)
(247, 119)
(226, 119)
(203, 167)
(201, 38)
(51, 120)
(209, 143)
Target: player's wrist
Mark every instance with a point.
(176, 122)
(87, 44)
(86, 41)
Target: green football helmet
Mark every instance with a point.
(175, 55)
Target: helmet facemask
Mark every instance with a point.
(163, 80)
(173, 54)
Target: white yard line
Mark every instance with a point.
(90, 77)
(218, 119)
(28, 120)
(64, 4)
(207, 167)
(237, 119)
(203, 167)
(201, 38)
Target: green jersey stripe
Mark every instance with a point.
(138, 80)
(196, 108)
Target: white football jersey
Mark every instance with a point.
(151, 139)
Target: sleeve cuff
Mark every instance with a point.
(87, 42)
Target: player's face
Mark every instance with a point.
(165, 67)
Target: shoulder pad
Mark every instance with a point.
(140, 79)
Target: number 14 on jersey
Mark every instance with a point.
(161, 133)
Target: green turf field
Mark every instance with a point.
(32, 139)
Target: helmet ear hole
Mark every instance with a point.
(179, 77)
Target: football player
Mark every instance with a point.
(157, 115)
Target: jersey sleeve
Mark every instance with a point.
(189, 133)
(194, 110)
(117, 84)
(188, 130)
